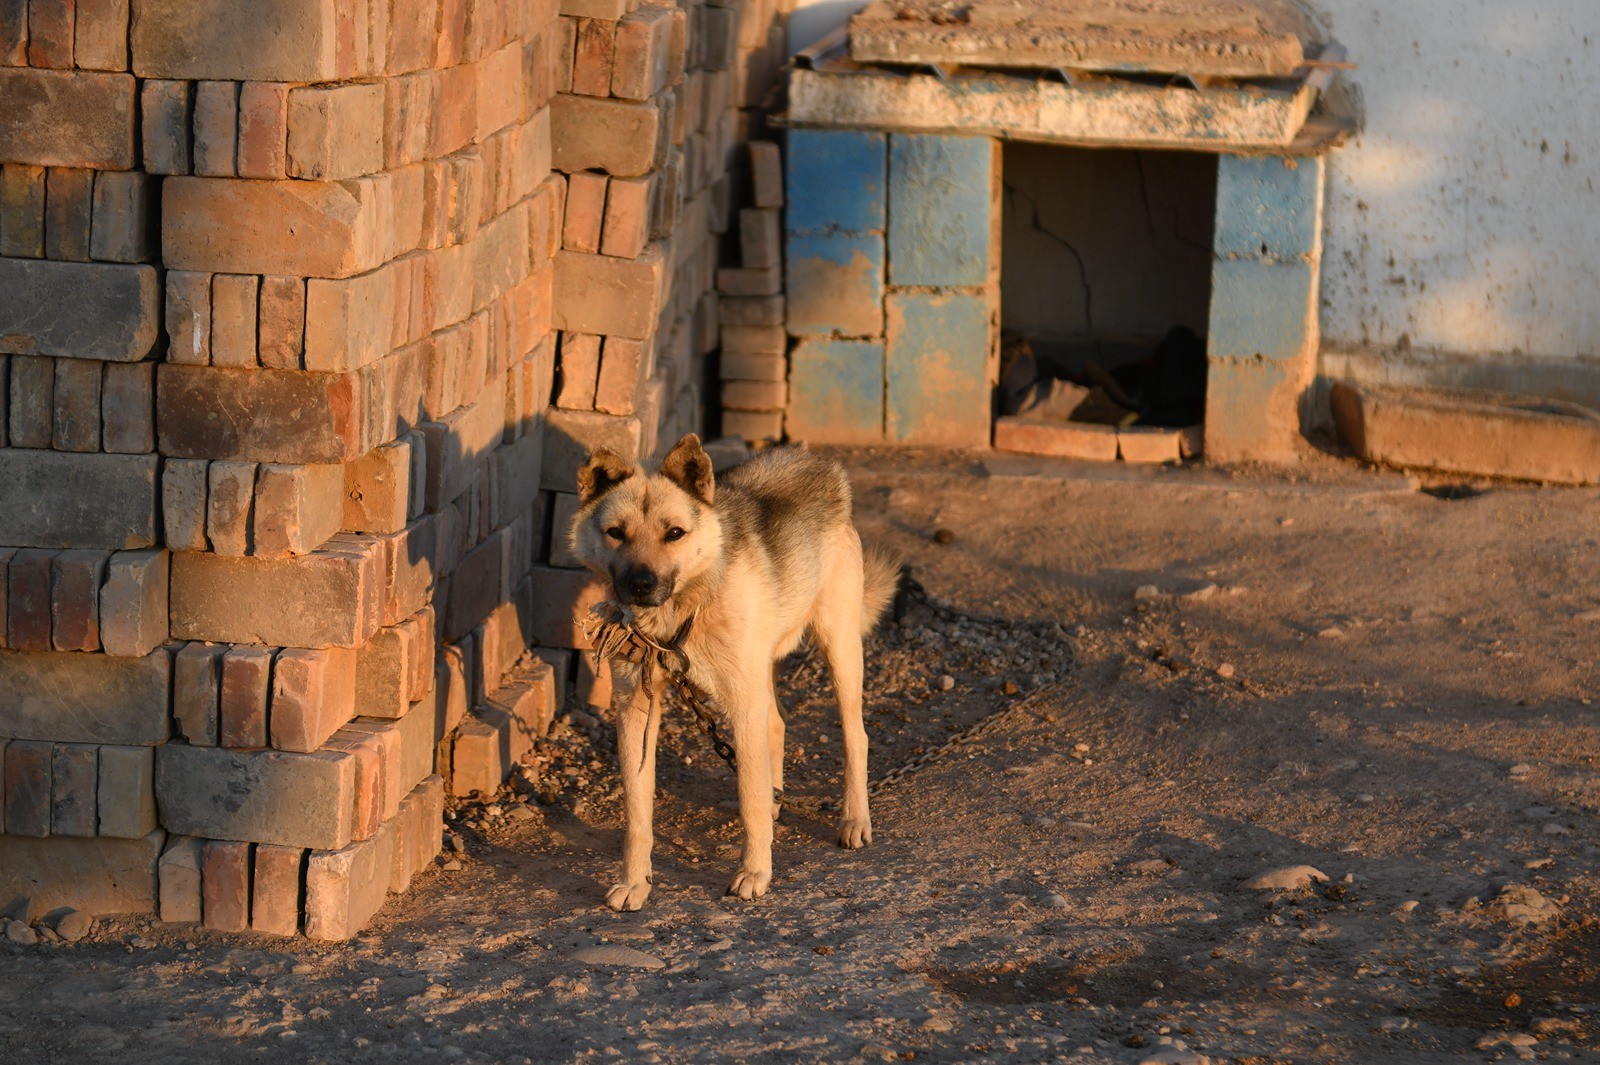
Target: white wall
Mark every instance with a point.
(1465, 219)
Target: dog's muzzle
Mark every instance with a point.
(640, 586)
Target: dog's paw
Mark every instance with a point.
(625, 897)
(855, 832)
(750, 884)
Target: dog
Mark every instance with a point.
(735, 573)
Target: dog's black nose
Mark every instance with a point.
(641, 582)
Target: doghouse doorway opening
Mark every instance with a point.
(1105, 289)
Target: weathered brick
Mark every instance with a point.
(229, 493)
(304, 228)
(167, 110)
(31, 403)
(836, 393)
(563, 507)
(75, 578)
(128, 407)
(562, 598)
(476, 585)
(297, 800)
(77, 500)
(336, 131)
(100, 35)
(28, 580)
(67, 118)
(133, 603)
(331, 597)
(621, 137)
(349, 322)
(74, 773)
(233, 319)
(384, 668)
(739, 281)
(76, 395)
(69, 201)
(346, 888)
(121, 224)
(22, 201)
(263, 130)
(592, 50)
(50, 33)
(611, 297)
(188, 317)
(626, 228)
(216, 128)
(410, 567)
(586, 198)
(27, 788)
(754, 339)
(577, 371)
(755, 395)
(126, 792)
(641, 63)
(377, 489)
(179, 871)
(275, 893)
(835, 283)
(1149, 444)
(1072, 440)
(259, 415)
(745, 366)
(297, 508)
(370, 753)
(274, 40)
(225, 885)
(246, 682)
(622, 367)
(97, 876)
(937, 348)
(183, 503)
(280, 332)
(14, 33)
(81, 310)
(313, 696)
(197, 693)
(571, 435)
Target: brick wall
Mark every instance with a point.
(308, 310)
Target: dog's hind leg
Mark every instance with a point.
(638, 725)
(837, 624)
(775, 742)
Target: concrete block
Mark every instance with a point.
(225, 885)
(128, 408)
(836, 181)
(276, 892)
(197, 693)
(345, 888)
(97, 876)
(297, 800)
(246, 682)
(64, 500)
(126, 792)
(836, 392)
(179, 873)
(1269, 206)
(28, 767)
(1253, 409)
(133, 603)
(938, 349)
(835, 284)
(1263, 309)
(78, 310)
(71, 118)
(1070, 440)
(943, 195)
(313, 696)
(332, 597)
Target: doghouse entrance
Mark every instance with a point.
(1105, 289)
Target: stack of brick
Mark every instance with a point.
(754, 365)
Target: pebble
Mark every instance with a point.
(1148, 591)
(1056, 901)
(1289, 878)
(943, 536)
(1202, 593)
(1153, 867)
(946, 682)
(1332, 632)
(616, 954)
(452, 866)
(1521, 904)
(1521, 769)
(74, 925)
(1225, 670)
(1554, 829)
(22, 934)
(938, 1024)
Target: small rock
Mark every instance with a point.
(1174, 1056)
(1152, 867)
(1539, 863)
(1054, 901)
(945, 682)
(938, 1024)
(452, 866)
(616, 954)
(878, 1052)
(74, 925)
(943, 536)
(1148, 591)
(521, 813)
(1555, 829)
(1332, 632)
(1407, 906)
(1289, 878)
(21, 934)
(1521, 904)
(19, 909)
(1521, 769)
(1225, 671)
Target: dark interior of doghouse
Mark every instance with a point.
(1105, 283)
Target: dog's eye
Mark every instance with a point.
(673, 533)
(615, 532)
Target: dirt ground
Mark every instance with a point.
(1327, 669)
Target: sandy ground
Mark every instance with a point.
(1331, 669)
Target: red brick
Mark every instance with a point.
(121, 222)
(502, 94)
(643, 60)
(313, 696)
(304, 228)
(332, 597)
(585, 214)
(627, 217)
(68, 118)
(194, 39)
(755, 395)
(753, 425)
(1149, 444)
(133, 603)
(336, 131)
(27, 788)
(300, 800)
(766, 174)
(69, 199)
(263, 130)
(365, 749)
(179, 873)
(262, 415)
(128, 404)
(32, 401)
(411, 35)
(737, 281)
(183, 503)
(14, 33)
(349, 322)
(75, 578)
(167, 109)
(225, 885)
(281, 327)
(408, 110)
(196, 692)
(74, 774)
(1073, 440)
(76, 396)
(246, 681)
(606, 296)
(100, 36)
(28, 600)
(22, 208)
(578, 370)
(297, 508)
(621, 137)
(216, 128)
(456, 111)
(377, 490)
(276, 889)
(744, 366)
(233, 319)
(346, 888)
(188, 317)
(594, 43)
(125, 792)
(621, 367)
(230, 489)
(50, 33)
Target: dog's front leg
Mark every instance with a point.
(638, 725)
(750, 746)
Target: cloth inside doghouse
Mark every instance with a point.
(1168, 388)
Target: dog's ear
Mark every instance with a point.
(689, 467)
(605, 470)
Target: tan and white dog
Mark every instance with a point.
(738, 570)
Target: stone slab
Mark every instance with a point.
(85, 698)
(106, 311)
(98, 876)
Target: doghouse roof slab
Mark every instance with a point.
(1201, 38)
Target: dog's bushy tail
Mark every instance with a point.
(881, 570)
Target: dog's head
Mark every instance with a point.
(648, 534)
